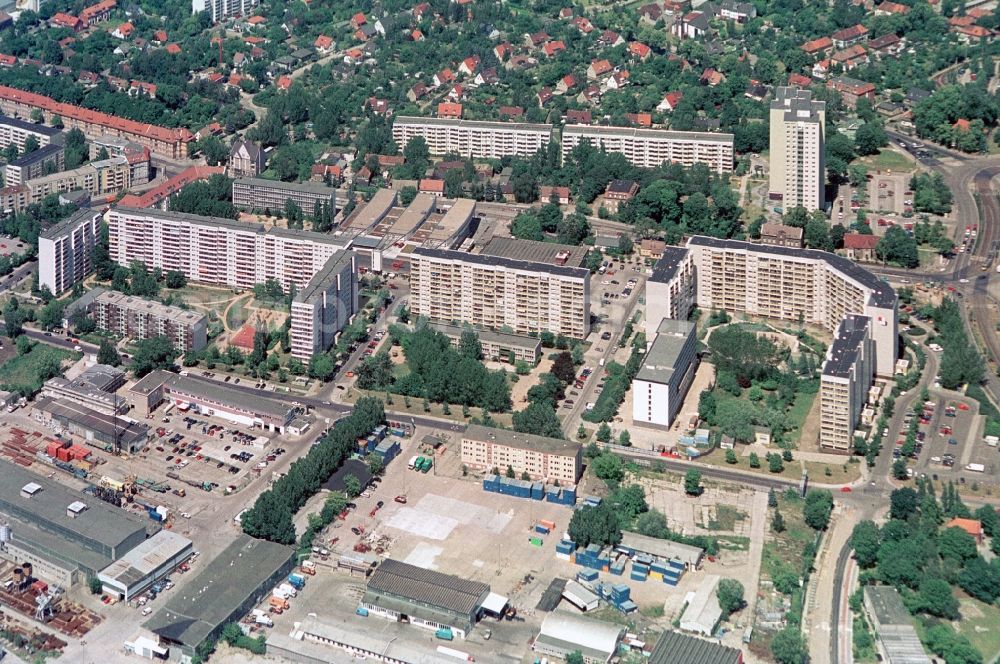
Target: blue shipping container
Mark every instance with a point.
(541, 529)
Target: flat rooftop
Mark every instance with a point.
(888, 606)
(67, 225)
(225, 584)
(846, 345)
(318, 284)
(497, 261)
(373, 211)
(414, 215)
(563, 255)
(473, 124)
(525, 441)
(660, 360)
(146, 558)
(225, 394)
(372, 636)
(649, 134)
(100, 522)
(502, 338)
(666, 267)
(662, 548)
(305, 187)
(158, 309)
(109, 426)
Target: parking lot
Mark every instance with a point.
(949, 437)
(890, 193)
(10, 246)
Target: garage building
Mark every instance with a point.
(140, 568)
(564, 633)
(428, 599)
(227, 588)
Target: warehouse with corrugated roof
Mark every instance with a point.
(564, 633)
(425, 598)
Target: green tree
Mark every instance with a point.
(153, 353)
(609, 467)
(538, 419)
(902, 503)
(94, 585)
(575, 657)
(870, 138)
(730, 595)
(595, 524)
(788, 646)
(731, 456)
(865, 541)
(818, 507)
(778, 522)
(754, 460)
(956, 544)
(108, 354)
(898, 247)
(899, 469)
(175, 279)
(692, 483)
(603, 432)
(774, 463)
(937, 599)
(352, 486)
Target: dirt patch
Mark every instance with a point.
(519, 390)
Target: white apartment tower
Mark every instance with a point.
(223, 9)
(798, 131)
(65, 251)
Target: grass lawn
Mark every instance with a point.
(726, 517)
(796, 414)
(928, 256)
(21, 371)
(890, 160)
(416, 407)
(980, 623)
(792, 470)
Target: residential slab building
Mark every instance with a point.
(493, 292)
(496, 345)
(16, 131)
(139, 318)
(169, 143)
(48, 159)
(650, 148)
(322, 309)
(797, 131)
(848, 371)
(220, 10)
(260, 194)
(542, 458)
(667, 369)
(97, 178)
(473, 138)
(224, 252)
(65, 251)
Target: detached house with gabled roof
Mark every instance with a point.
(848, 36)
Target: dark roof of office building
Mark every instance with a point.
(100, 522)
(524, 441)
(846, 345)
(563, 255)
(666, 267)
(676, 648)
(424, 586)
(29, 126)
(497, 261)
(225, 584)
(36, 156)
(882, 293)
(66, 225)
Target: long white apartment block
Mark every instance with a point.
(224, 252)
(650, 148)
(17, 131)
(65, 251)
(473, 138)
(494, 292)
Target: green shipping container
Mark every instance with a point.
(536, 541)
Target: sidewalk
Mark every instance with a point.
(816, 614)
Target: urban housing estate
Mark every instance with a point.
(798, 129)
(784, 283)
(650, 148)
(139, 318)
(224, 252)
(542, 458)
(65, 251)
(473, 138)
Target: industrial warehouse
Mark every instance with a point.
(65, 535)
(140, 568)
(428, 599)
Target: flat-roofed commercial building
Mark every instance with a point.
(429, 599)
(66, 535)
(847, 373)
(85, 393)
(65, 251)
(212, 399)
(493, 292)
(473, 138)
(540, 457)
(650, 148)
(139, 318)
(667, 369)
(50, 158)
(17, 131)
(130, 576)
(227, 588)
(98, 428)
(260, 194)
(324, 306)
(496, 345)
(898, 640)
